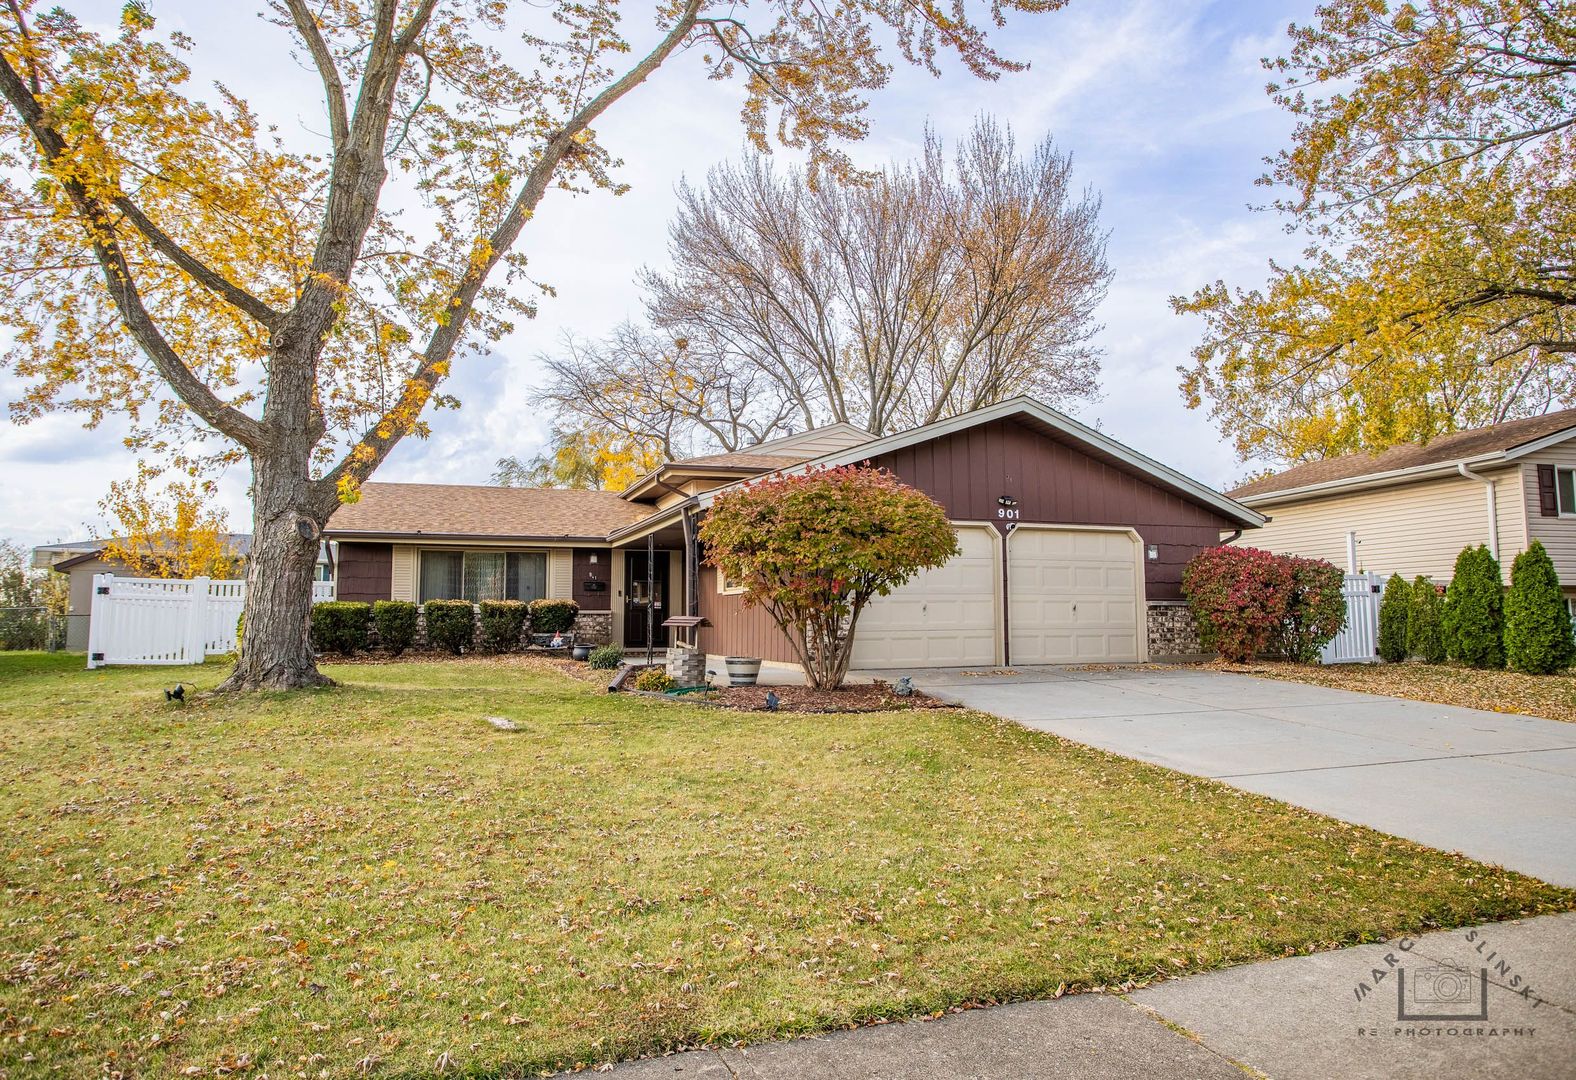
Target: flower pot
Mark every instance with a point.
(581, 652)
(743, 670)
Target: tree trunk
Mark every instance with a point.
(276, 651)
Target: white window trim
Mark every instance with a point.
(724, 589)
(1560, 511)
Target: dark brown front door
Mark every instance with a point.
(639, 592)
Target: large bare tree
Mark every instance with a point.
(247, 293)
(927, 290)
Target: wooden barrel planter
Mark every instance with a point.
(743, 670)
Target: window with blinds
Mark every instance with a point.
(483, 575)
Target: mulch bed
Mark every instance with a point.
(865, 697)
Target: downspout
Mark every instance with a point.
(1493, 508)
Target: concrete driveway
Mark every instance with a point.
(1498, 787)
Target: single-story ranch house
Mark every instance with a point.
(1412, 508)
(1073, 545)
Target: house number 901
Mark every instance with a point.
(1007, 513)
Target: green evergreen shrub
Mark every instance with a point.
(553, 616)
(1394, 608)
(340, 626)
(395, 621)
(654, 681)
(1475, 610)
(1425, 624)
(606, 656)
(1537, 622)
(503, 624)
(451, 624)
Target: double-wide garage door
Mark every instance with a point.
(1073, 596)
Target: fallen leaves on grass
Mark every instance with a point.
(1549, 696)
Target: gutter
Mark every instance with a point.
(1492, 505)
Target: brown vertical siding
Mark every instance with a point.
(365, 572)
(1056, 483)
(736, 630)
(585, 570)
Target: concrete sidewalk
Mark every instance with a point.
(1337, 1014)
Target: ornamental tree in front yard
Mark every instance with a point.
(814, 548)
(1537, 622)
(1474, 610)
(1425, 623)
(1394, 610)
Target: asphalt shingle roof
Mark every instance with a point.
(745, 460)
(1457, 446)
(476, 510)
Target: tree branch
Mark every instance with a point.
(198, 270)
(373, 447)
(196, 394)
(327, 70)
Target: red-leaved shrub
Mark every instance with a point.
(1249, 603)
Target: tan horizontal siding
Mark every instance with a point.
(402, 580)
(560, 573)
(1557, 533)
(1409, 529)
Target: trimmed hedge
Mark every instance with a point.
(1474, 610)
(340, 626)
(503, 624)
(1249, 602)
(553, 616)
(1394, 612)
(606, 656)
(395, 621)
(451, 624)
(1537, 622)
(1425, 624)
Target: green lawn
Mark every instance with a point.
(372, 878)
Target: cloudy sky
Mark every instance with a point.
(1161, 102)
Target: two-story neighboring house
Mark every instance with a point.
(1412, 508)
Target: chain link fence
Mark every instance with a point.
(35, 628)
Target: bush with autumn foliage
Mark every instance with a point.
(814, 548)
(1250, 603)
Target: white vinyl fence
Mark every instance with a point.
(1358, 643)
(167, 621)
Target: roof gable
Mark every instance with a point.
(1066, 427)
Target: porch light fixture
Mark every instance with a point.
(593, 556)
(1154, 552)
(1006, 500)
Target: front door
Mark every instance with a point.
(643, 595)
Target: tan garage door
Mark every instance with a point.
(943, 618)
(1073, 596)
